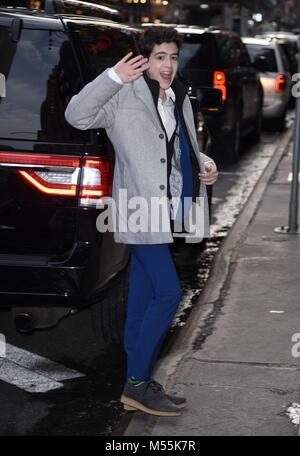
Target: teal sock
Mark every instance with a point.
(134, 381)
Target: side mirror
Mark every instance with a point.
(209, 100)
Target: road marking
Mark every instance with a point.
(33, 372)
(25, 379)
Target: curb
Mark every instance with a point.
(212, 292)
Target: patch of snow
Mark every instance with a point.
(293, 413)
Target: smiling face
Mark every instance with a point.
(163, 62)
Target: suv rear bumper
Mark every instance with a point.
(43, 281)
(276, 109)
(89, 270)
(48, 299)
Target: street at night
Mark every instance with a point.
(149, 248)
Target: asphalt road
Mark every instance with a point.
(67, 380)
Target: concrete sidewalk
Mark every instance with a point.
(233, 360)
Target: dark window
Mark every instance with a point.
(283, 57)
(288, 56)
(226, 50)
(242, 57)
(197, 52)
(270, 64)
(41, 77)
(100, 47)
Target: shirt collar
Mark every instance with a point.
(179, 88)
(171, 97)
(170, 94)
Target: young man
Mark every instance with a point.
(148, 117)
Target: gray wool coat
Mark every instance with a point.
(130, 118)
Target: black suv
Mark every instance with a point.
(53, 260)
(51, 175)
(218, 58)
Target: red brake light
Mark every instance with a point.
(96, 179)
(88, 178)
(36, 159)
(280, 83)
(220, 83)
(43, 182)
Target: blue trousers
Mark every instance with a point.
(154, 296)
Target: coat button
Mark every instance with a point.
(162, 187)
(163, 160)
(161, 136)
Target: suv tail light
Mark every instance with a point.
(88, 178)
(220, 83)
(96, 180)
(280, 83)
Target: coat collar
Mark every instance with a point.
(148, 91)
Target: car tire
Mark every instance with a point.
(233, 143)
(255, 136)
(279, 124)
(209, 191)
(109, 314)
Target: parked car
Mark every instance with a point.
(275, 77)
(289, 44)
(53, 261)
(214, 57)
(283, 35)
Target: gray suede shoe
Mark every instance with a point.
(179, 401)
(148, 397)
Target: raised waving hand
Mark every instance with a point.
(129, 69)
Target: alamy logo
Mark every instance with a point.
(152, 215)
(296, 85)
(2, 86)
(296, 347)
(2, 346)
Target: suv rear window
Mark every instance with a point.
(269, 53)
(227, 50)
(197, 52)
(41, 76)
(100, 47)
(288, 62)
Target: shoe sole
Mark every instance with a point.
(182, 405)
(132, 409)
(131, 405)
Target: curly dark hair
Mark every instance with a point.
(158, 35)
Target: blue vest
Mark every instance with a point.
(186, 167)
